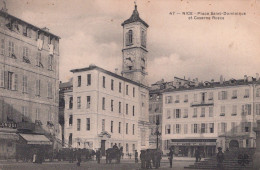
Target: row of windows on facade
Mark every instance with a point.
(222, 95)
(12, 52)
(26, 115)
(104, 84)
(208, 128)
(111, 144)
(9, 80)
(245, 110)
(103, 125)
(29, 32)
(129, 40)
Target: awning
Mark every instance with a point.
(194, 142)
(8, 136)
(36, 139)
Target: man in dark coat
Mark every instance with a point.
(136, 156)
(71, 155)
(220, 159)
(157, 158)
(170, 157)
(98, 156)
(148, 158)
(78, 152)
(197, 154)
(142, 158)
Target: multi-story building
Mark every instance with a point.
(210, 115)
(29, 78)
(105, 108)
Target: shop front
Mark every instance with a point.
(187, 147)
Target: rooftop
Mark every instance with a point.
(135, 18)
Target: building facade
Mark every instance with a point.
(29, 78)
(210, 115)
(105, 108)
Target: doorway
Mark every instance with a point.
(103, 147)
(233, 144)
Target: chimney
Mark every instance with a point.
(245, 78)
(221, 79)
(116, 70)
(257, 76)
(46, 29)
(250, 78)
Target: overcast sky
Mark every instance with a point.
(91, 33)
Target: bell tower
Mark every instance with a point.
(134, 50)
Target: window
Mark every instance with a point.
(133, 92)
(168, 116)
(104, 82)
(211, 113)
(126, 90)
(210, 96)
(129, 38)
(88, 124)
(222, 111)
(168, 99)
(246, 109)
(234, 94)
(203, 128)
(78, 102)
(11, 49)
(202, 112)
(103, 124)
(203, 97)
(257, 109)
(37, 114)
(126, 128)
(12, 81)
(258, 92)
(195, 110)
(133, 110)
(195, 97)
(38, 87)
(186, 98)
(111, 127)
(50, 62)
(2, 78)
(234, 110)
(39, 59)
(222, 127)
(103, 103)
(50, 95)
(112, 84)
(177, 113)
(195, 128)
(178, 128)
(24, 111)
(119, 107)
(70, 139)
(88, 101)
(120, 87)
(185, 128)
(79, 81)
(246, 93)
(88, 79)
(133, 129)
(2, 47)
(78, 124)
(167, 129)
(246, 126)
(126, 147)
(70, 120)
(177, 99)
(185, 113)
(112, 105)
(133, 148)
(126, 109)
(70, 102)
(143, 39)
(119, 127)
(211, 127)
(234, 127)
(222, 95)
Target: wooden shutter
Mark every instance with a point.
(199, 128)
(192, 128)
(206, 128)
(180, 128)
(6, 79)
(174, 113)
(2, 78)
(219, 127)
(219, 95)
(173, 128)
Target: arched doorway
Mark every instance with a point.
(233, 144)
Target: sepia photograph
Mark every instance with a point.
(133, 84)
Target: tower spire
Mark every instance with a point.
(4, 8)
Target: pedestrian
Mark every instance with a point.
(70, 155)
(148, 158)
(197, 155)
(220, 159)
(98, 154)
(136, 156)
(157, 158)
(142, 158)
(170, 157)
(78, 152)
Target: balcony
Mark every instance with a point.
(200, 104)
(26, 126)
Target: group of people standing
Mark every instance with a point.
(149, 158)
